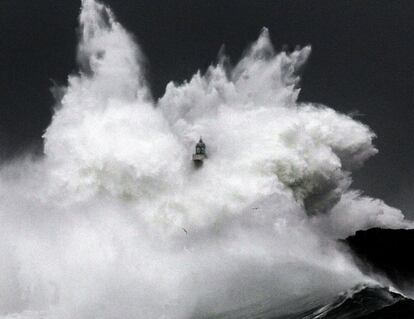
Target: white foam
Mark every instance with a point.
(115, 222)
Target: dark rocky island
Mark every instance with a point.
(386, 252)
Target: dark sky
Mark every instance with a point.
(362, 59)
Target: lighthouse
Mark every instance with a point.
(200, 153)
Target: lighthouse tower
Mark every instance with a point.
(200, 152)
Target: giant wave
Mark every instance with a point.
(94, 228)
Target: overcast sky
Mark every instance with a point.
(362, 60)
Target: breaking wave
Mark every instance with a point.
(361, 301)
(115, 222)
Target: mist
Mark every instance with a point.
(116, 222)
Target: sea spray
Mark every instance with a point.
(115, 222)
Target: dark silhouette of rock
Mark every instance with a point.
(387, 252)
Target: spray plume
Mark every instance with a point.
(115, 222)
